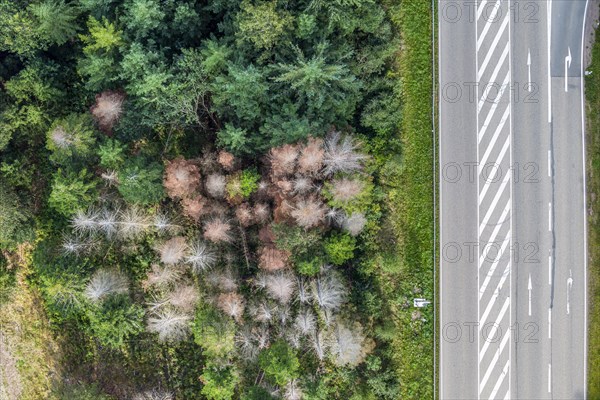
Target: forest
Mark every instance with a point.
(215, 199)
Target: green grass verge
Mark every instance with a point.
(593, 197)
(410, 198)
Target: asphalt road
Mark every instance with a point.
(512, 234)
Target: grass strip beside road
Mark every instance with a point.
(592, 90)
(410, 199)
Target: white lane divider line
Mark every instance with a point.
(550, 217)
(549, 163)
(488, 372)
(549, 378)
(488, 24)
(548, 35)
(500, 380)
(550, 269)
(492, 111)
(492, 206)
(492, 82)
(549, 323)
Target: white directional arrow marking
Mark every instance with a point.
(529, 288)
(569, 285)
(529, 68)
(568, 59)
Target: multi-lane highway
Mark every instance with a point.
(512, 199)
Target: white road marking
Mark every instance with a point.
(488, 181)
(497, 323)
(489, 87)
(499, 194)
(568, 59)
(550, 217)
(549, 323)
(549, 163)
(550, 269)
(486, 376)
(481, 7)
(492, 48)
(529, 69)
(569, 286)
(495, 137)
(529, 289)
(495, 232)
(500, 380)
(549, 39)
(488, 23)
(549, 378)
(489, 276)
(488, 118)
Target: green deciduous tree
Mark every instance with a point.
(15, 219)
(103, 36)
(56, 20)
(242, 95)
(325, 91)
(256, 393)
(142, 16)
(72, 191)
(219, 382)
(32, 93)
(235, 140)
(340, 248)
(71, 138)
(213, 332)
(18, 33)
(115, 320)
(146, 73)
(141, 182)
(262, 24)
(112, 154)
(279, 363)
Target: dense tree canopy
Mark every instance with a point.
(200, 182)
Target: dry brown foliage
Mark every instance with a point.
(231, 304)
(244, 215)
(345, 189)
(283, 212)
(218, 231)
(173, 250)
(266, 235)
(215, 185)
(161, 275)
(227, 160)
(184, 298)
(262, 213)
(311, 157)
(225, 280)
(309, 212)
(271, 258)
(281, 286)
(182, 178)
(284, 186)
(283, 159)
(195, 207)
(108, 109)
